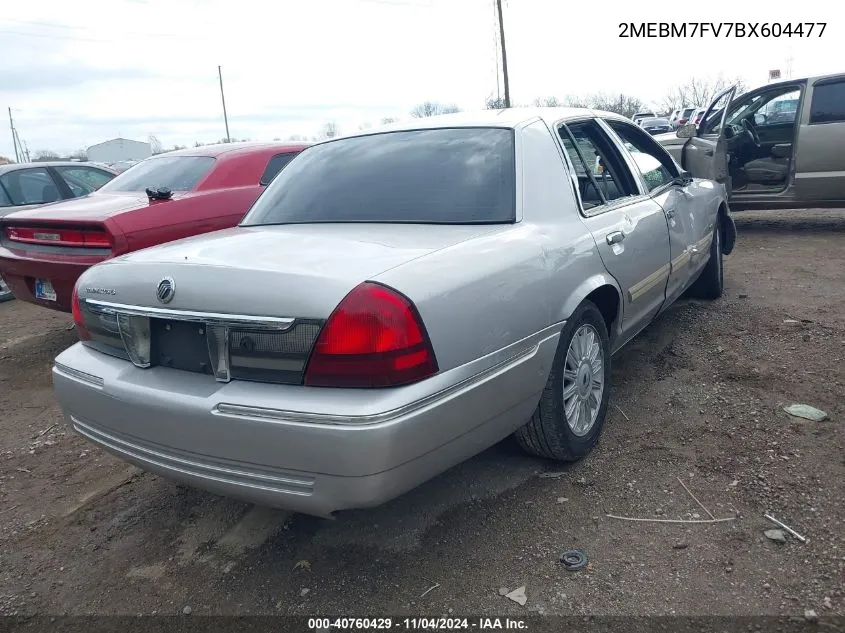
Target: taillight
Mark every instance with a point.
(86, 238)
(81, 330)
(374, 338)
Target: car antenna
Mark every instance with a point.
(159, 193)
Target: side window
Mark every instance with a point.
(83, 180)
(30, 186)
(780, 110)
(5, 200)
(276, 164)
(656, 166)
(828, 103)
(602, 175)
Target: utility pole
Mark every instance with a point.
(223, 99)
(14, 137)
(504, 55)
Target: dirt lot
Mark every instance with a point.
(698, 396)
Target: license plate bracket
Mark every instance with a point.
(179, 345)
(44, 290)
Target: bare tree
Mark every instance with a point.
(46, 154)
(547, 102)
(433, 108)
(495, 103)
(5, 160)
(698, 92)
(79, 154)
(176, 148)
(623, 104)
(572, 101)
(388, 119)
(329, 130)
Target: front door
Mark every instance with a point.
(680, 198)
(705, 155)
(629, 228)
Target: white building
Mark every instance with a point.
(118, 150)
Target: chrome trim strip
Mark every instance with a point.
(680, 260)
(81, 376)
(304, 417)
(181, 465)
(213, 318)
(641, 287)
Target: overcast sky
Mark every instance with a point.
(79, 73)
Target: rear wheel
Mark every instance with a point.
(711, 282)
(572, 409)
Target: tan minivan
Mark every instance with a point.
(780, 146)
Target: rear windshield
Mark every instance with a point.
(177, 173)
(441, 176)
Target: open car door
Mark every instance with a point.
(705, 155)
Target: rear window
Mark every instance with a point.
(688, 112)
(828, 103)
(177, 173)
(274, 166)
(442, 176)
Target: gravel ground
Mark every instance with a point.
(697, 397)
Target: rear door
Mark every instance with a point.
(629, 228)
(705, 155)
(819, 155)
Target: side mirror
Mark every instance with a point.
(683, 179)
(760, 119)
(687, 131)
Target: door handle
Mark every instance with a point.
(615, 237)
(670, 213)
(708, 152)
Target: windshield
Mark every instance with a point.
(177, 173)
(441, 176)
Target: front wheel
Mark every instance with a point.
(571, 412)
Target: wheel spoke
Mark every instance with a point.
(598, 369)
(589, 342)
(569, 391)
(571, 357)
(572, 411)
(586, 417)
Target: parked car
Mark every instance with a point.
(166, 197)
(779, 146)
(639, 116)
(394, 303)
(682, 117)
(29, 185)
(5, 291)
(696, 116)
(656, 126)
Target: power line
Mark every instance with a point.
(504, 55)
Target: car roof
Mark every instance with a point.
(4, 169)
(239, 148)
(504, 118)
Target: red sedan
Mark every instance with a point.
(44, 251)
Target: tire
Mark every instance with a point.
(711, 283)
(552, 433)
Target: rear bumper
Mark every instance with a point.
(305, 449)
(21, 271)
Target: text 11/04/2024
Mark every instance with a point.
(722, 29)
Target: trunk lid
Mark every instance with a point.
(94, 208)
(296, 270)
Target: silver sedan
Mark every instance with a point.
(393, 304)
